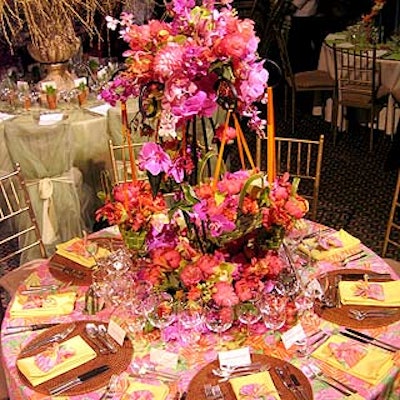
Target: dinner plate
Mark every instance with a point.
(340, 315)
(117, 362)
(196, 387)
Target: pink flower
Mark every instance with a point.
(154, 159)
(191, 275)
(230, 133)
(224, 294)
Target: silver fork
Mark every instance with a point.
(318, 374)
(111, 388)
(361, 315)
(58, 337)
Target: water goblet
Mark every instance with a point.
(191, 318)
(273, 309)
(162, 310)
(248, 313)
(218, 319)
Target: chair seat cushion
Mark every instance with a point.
(314, 79)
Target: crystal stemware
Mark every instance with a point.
(218, 319)
(191, 318)
(162, 311)
(248, 313)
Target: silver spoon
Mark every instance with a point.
(93, 334)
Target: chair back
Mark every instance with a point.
(16, 211)
(45, 154)
(358, 76)
(392, 235)
(123, 157)
(301, 158)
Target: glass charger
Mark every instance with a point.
(205, 376)
(117, 362)
(340, 315)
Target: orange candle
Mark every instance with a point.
(127, 139)
(271, 159)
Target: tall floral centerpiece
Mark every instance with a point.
(220, 239)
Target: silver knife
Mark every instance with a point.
(78, 380)
(11, 330)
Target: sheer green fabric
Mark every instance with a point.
(45, 156)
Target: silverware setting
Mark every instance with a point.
(111, 388)
(224, 370)
(372, 339)
(58, 337)
(149, 372)
(213, 392)
(314, 372)
(39, 289)
(291, 383)
(364, 340)
(98, 336)
(354, 257)
(361, 315)
(12, 330)
(236, 374)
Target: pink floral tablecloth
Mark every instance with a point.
(193, 358)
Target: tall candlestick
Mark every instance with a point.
(126, 136)
(271, 159)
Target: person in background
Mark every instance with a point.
(305, 36)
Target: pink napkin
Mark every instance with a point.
(347, 354)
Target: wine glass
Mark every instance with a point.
(191, 318)
(161, 310)
(248, 313)
(273, 309)
(218, 319)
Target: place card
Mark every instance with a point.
(116, 332)
(293, 335)
(164, 358)
(235, 358)
(80, 81)
(23, 86)
(49, 119)
(47, 84)
(102, 109)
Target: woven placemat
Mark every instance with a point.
(196, 387)
(117, 362)
(340, 315)
(68, 271)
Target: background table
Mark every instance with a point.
(390, 80)
(193, 358)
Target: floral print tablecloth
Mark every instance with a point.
(192, 358)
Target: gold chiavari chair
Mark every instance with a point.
(392, 235)
(301, 158)
(123, 157)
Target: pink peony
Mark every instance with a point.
(224, 294)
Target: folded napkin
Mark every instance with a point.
(43, 305)
(328, 246)
(257, 386)
(385, 294)
(392, 56)
(5, 116)
(76, 250)
(335, 36)
(50, 119)
(55, 360)
(146, 391)
(368, 363)
(102, 109)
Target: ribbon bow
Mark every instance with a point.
(347, 353)
(256, 391)
(326, 242)
(142, 395)
(370, 291)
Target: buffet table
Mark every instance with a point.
(194, 363)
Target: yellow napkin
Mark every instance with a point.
(57, 359)
(66, 250)
(372, 368)
(348, 243)
(43, 306)
(159, 392)
(262, 382)
(391, 292)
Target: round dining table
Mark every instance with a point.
(191, 364)
(389, 63)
